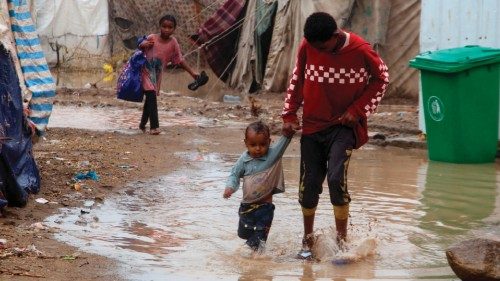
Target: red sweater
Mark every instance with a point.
(329, 84)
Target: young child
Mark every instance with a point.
(160, 50)
(339, 81)
(262, 172)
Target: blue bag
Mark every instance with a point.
(129, 85)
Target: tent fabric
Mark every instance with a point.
(401, 45)
(241, 78)
(7, 40)
(264, 22)
(287, 33)
(37, 76)
(130, 19)
(370, 20)
(19, 175)
(78, 41)
(222, 20)
(392, 27)
(218, 37)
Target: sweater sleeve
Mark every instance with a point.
(367, 103)
(237, 172)
(278, 149)
(294, 94)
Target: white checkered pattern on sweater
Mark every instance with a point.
(370, 107)
(332, 75)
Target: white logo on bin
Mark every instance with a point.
(435, 108)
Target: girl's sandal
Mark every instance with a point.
(154, 132)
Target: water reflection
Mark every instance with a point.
(404, 215)
(456, 199)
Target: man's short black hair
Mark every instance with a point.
(258, 127)
(169, 18)
(319, 27)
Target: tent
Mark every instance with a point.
(20, 39)
(249, 44)
(271, 30)
(100, 31)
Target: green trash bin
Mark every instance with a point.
(460, 91)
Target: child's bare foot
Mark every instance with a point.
(154, 131)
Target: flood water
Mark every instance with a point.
(405, 212)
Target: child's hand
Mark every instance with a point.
(228, 192)
(146, 44)
(348, 120)
(289, 128)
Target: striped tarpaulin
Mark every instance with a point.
(37, 76)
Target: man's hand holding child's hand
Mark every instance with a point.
(228, 192)
(288, 129)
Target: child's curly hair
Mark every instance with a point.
(259, 127)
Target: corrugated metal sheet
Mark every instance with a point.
(456, 23)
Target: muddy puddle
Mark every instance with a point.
(405, 212)
(122, 120)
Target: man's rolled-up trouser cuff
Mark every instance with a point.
(308, 212)
(341, 212)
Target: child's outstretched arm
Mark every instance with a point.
(186, 67)
(233, 181)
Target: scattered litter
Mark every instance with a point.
(71, 257)
(88, 203)
(92, 175)
(3, 242)
(231, 99)
(21, 252)
(38, 226)
(42, 200)
(83, 163)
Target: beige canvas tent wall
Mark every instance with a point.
(74, 34)
(392, 27)
(132, 18)
(86, 34)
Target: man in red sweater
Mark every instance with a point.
(339, 80)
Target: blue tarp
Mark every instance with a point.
(19, 175)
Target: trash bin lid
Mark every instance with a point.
(456, 59)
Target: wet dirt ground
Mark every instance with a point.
(28, 247)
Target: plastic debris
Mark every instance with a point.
(231, 99)
(42, 200)
(92, 175)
